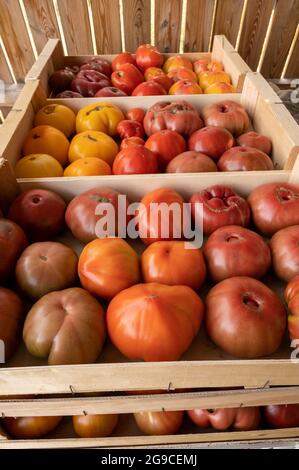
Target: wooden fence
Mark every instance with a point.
(265, 32)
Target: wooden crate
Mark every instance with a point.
(52, 58)
(269, 117)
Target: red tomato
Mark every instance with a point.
(129, 128)
(31, 427)
(212, 141)
(131, 142)
(240, 419)
(121, 59)
(173, 263)
(149, 88)
(168, 224)
(245, 318)
(126, 78)
(159, 423)
(235, 251)
(11, 320)
(274, 206)
(136, 114)
(135, 160)
(179, 116)
(148, 56)
(191, 162)
(255, 140)
(166, 145)
(244, 159)
(39, 212)
(154, 322)
(81, 217)
(12, 242)
(120, 270)
(95, 425)
(228, 114)
(285, 252)
(292, 298)
(221, 206)
(282, 416)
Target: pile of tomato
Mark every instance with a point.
(170, 137)
(145, 73)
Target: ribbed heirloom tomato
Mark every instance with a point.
(161, 216)
(154, 322)
(159, 423)
(173, 263)
(241, 419)
(101, 116)
(107, 266)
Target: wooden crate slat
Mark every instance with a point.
(292, 70)
(227, 20)
(168, 25)
(199, 19)
(4, 69)
(76, 27)
(15, 37)
(156, 402)
(42, 21)
(106, 21)
(136, 23)
(266, 436)
(254, 30)
(285, 22)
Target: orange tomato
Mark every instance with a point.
(47, 139)
(57, 115)
(158, 423)
(90, 166)
(173, 263)
(208, 78)
(93, 144)
(175, 62)
(100, 116)
(38, 165)
(108, 266)
(31, 427)
(182, 74)
(95, 425)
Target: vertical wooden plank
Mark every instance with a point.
(76, 28)
(5, 74)
(168, 25)
(228, 17)
(284, 26)
(254, 30)
(107, 26)
(137, 20)
(42, 21)
(292, 70)
(199, 25)
(15, 38)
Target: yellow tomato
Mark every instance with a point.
(47, 139)
(93, 144)
(38, 165)
(220, 88)
(209, 78)
(57, 115)
(102, 117)
(87, 167)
